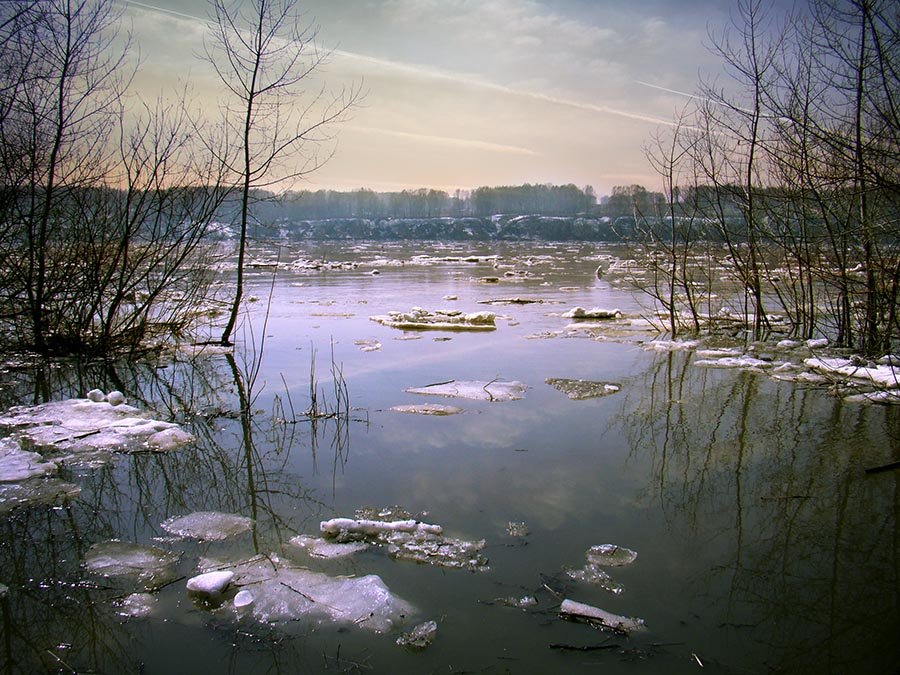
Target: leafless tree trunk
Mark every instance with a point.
(262, 54)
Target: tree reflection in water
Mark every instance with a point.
(56, 617)
(805, 543)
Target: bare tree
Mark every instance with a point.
(264, 54)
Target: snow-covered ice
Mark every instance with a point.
(317, 547)
(614, 622)
(151, 565)
(210, 583)
(428, 409)
(594, 313)
(18, 465)
(881, 376)
(441, 319)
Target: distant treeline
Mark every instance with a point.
(544, 200)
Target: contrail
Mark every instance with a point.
(671, 91)
(449, 140)
(458, 78)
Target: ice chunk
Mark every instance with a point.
(18, 465)
(169, 439)
(243, 599)
(595, 615)
(733, 362)
(321, 548)
(882, 376)
(365, 526)
(152, 566)
(819, 343)
(368, 345)
(419, 637)
(670, 345)
(409, 539)
(115, 398)
(493, 391)
(595, 313)
(283, 593)
(135, 605)
(592, 573)
(886, 397)
(96, 395)
(82, 427)
(428, 409)
(787, 344)
(207, 525)
(579, 390)
(519, 603)
(210, 583)
(610, 555)
(442, 319)
(35, 493)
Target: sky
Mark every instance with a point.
(465, 93)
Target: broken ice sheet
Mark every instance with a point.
(420, 637)
(494, 391)
(578, 390)
(81, 427)
(322, 548)
(441, 319)
(284, 593)
(207, 525)
(152, 566)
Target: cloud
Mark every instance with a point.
(448, 140)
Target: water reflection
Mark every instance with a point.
(803, 547)
(58, 617)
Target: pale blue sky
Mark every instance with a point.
(463, 93)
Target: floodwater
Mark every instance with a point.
(762, 544)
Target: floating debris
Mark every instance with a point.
(428, 409)
(493, 391)
(571, 609)
(207, 525)
(419, 637)
(512, 301)
(152, 566)
(579, 390)
(441, 319)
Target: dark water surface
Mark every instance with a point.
(763, 546)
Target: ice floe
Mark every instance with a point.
(610, 555)
(494, 391)
(207, 525)
(80, 426)
(882, 376)
(428, 409)
(620, 624)
(281, 592)
(35, 492)
(578, 390)
(441, 319)
(592, 314)
(317, 547)
(151, 565)
(670, 345)
(19, 465)
(368, 345)
(406, 538)
(733, 362)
